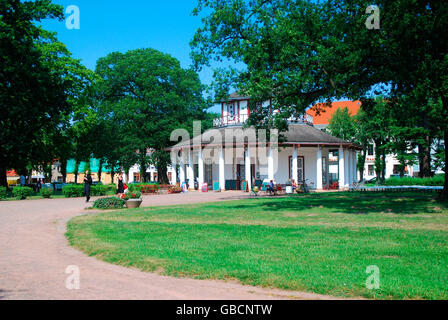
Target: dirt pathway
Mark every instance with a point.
(34, 256)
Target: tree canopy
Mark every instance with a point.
(147, 94)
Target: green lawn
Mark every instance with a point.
(321, 243)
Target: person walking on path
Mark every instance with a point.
(120, 185)
(87, 184)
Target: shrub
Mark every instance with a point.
(437, 180)
(22, 192)
(111, 187)
(109, 203)
(46, 192)
(3, 192)
(175, 189)
(149, 188)
(98, 190)
(73, 190)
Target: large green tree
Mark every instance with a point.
(32, 97)
(300, 52)
(147, 95)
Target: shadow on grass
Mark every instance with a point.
(352, 203)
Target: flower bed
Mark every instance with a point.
(174, 189)
(131, 195)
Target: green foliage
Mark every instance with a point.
(108, 203)
(3, 192)
(73, 190)
(144, 96)
(46, 192)
(132, 195)
(437, 180)
(21, 193)
(98, 190)
(342, 125)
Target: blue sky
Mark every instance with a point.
(107, 26)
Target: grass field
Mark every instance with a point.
(320, 243)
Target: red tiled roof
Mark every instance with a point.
(322, 113)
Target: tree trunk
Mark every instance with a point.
(76, 172)
(444, 194)
(162, 176)
(143, 167)
(383, 166)
(378, 162)
(362, 162)
(64, 170)
(424, 152)
(100, 170)
(3, 177)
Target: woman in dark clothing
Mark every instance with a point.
(87, 184)
(120, 185)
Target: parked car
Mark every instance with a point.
(372, 180)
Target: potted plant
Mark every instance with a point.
(132, 199)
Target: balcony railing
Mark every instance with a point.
(303, 118)
(229, 120)
(240, 120)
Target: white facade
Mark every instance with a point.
(303, 158)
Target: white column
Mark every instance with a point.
(294, 164)
(222, 179)
(355, 166)
(200, 168)
(173, 173)
(341, 168)
(270, 164)
(190, 171)
(247, 167)
(346, 167)
(319, 168)
(182, 167)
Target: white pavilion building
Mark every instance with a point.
(230, 154)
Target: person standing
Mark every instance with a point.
(38, 185)
(87, 184)
(120, 185)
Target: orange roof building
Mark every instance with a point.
(322, 113)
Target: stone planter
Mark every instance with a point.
(133, 203)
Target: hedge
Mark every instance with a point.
(22, 193)
(437, 180)
(3, 192)
(108, 203)
(73, 190)
(46, 192)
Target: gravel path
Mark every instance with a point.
(34, 255)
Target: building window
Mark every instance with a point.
(231, 110)
(333, 155)
(324, 171)
(370, 150)
(371, 170)
(396, 169)
(136, 177)
(300, 168)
